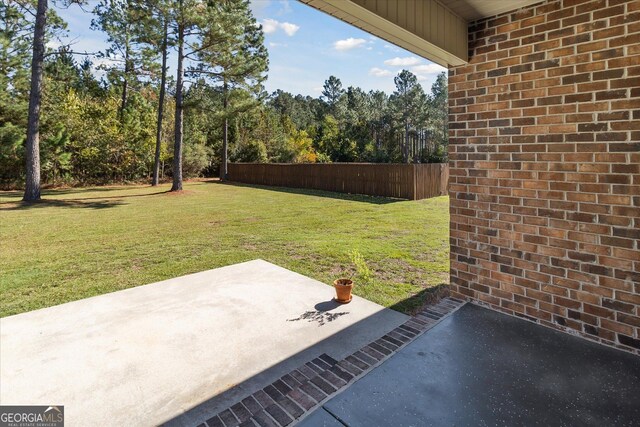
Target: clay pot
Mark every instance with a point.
(343, 290)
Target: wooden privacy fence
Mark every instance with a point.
(402, 181)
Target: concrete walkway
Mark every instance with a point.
(480, 367)
(179, 350)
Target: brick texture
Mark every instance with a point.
(545, 167)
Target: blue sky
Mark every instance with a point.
(305, 46)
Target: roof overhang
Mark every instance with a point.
(433, 29)
(424, 27)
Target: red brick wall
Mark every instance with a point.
(545, 167)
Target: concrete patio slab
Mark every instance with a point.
(481, 367)
(176, 350)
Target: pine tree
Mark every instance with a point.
(378, 101)
(152, 30)
(119, 19)
(408, 104)
(27, 24)
(190, 22)
(233, 54)
(332, 91)
(16, 35)
(183, 23)
(438, 116)
(32, 145)
(163, 85)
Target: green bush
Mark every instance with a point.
(252, 151)
(195, 158)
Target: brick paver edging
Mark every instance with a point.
(301, 391)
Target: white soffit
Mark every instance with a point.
(472, 10)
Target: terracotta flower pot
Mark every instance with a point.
(343, 290)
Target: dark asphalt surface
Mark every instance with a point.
(479, 367)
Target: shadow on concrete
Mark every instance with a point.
(322, 310)
(376, 200)
(217, 403)
(322, 314)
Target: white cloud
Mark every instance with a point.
(428, 69)
(403, 62)
(270, 26)
(380, 72)
(391, 47)
(348, 44)
(272, 44)
(289, 28)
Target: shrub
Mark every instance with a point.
(195, 158)
(252, 151)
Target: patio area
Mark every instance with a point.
(543, 323)
(258, 345)
(480, 367)
(182, 349)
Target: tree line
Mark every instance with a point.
(127, 116)
(351, 125)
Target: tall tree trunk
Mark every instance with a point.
(128, 69)
(125, 83)
(123, 101)
(225, 134)
(163, 80)
(177, 146)
(32, 146)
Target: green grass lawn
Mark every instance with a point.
(83, 242)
